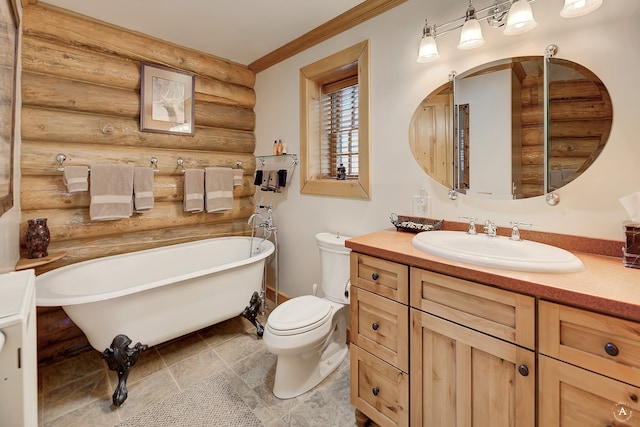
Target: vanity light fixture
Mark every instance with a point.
(471, 34)
(428, 48)
(515, 15)
(520, 18)
(575, 8)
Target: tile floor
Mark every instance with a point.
(77, 391)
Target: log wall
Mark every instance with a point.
(81, 97)
(580, 113)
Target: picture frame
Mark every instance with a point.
(9, 21)
(167, 100)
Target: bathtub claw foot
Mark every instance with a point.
(251, 313)
(120, 358)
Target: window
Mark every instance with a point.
(339, 129)
(334, 113)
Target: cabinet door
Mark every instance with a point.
(599, 343)
(464, 378)
(503, 314)
(385, 278)
(574, 397)
(379, 390)
(380, 326)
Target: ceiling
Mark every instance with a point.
(240, 30)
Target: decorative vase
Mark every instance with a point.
(37, 238)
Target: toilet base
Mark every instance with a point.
(298, 374)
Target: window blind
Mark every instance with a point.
(339, 128)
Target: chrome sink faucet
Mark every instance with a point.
(490, 228)
(515, 229)
(472, 224)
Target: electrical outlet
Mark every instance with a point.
(420, 206)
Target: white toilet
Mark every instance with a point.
(308, 333)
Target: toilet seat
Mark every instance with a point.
(299, 315)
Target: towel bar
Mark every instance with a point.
(180, 163)
(61, 158)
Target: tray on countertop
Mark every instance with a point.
(414, 224)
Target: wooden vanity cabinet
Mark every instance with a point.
(469, 364)
(589, 368)
(434, 350)
(379, 351)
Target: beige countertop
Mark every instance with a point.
(605, 285)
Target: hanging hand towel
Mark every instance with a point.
(193, 200)
(218, 189)
(282, 179)
(142, 189)
(258, 178)
(111, 191)
(265, 180)
(76, 178)
(237, 177)
(272, 185)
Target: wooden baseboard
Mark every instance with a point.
(271, 295)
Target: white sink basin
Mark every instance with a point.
(498, 252)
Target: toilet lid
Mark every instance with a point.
(299, 315)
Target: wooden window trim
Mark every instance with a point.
(312, 77)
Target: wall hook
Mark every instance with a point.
(154, 163)
(180, 163)
(60, 158)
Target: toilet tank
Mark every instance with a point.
(334, 266)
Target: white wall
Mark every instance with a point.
(10, 221)
(605, 42)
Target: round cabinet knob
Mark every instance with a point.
(375, 326)
(634, 398)
(375, 276)
(375, 391)
(611, 349)
(524, 370)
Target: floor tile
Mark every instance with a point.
(77, 392)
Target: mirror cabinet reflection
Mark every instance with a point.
(483, 132)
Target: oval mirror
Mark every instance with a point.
(498, 110)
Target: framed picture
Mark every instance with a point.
(8, 49)
(166, 100)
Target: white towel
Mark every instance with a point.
(193, 199)
(237, 177)
(76, 178)
(218, 188)
(111, 191)
(142, 189)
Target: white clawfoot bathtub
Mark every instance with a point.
(159, 294)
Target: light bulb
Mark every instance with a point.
(575, 8)
(520, 18)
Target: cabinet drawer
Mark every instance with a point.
(380, 326)
(574, 397)
(503, 314)
(382, 277)
(379, 390)
(600, 343)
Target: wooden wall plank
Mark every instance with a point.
(48, 57)
(62, 125)
(68, 28)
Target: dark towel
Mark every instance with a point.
(258, 180)
(282, 178)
